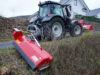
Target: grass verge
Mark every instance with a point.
(72, 56)
(3, 39)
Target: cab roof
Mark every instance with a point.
(48, 2)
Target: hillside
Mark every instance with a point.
(72, 56)
(27, 17)
(7, 24)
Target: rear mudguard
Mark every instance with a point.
(35, 56)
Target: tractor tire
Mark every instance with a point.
(76, 29)
(54, 29)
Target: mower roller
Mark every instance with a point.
(31, 50)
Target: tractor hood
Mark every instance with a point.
(34, 19)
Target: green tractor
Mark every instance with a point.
(53, 21)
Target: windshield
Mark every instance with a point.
(51, 9)
(57, 9)
(44, 10)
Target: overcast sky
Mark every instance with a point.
(10, 8)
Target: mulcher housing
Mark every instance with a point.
(35, 55)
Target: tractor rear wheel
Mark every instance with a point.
(54, 29)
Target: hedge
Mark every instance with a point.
(88, 18)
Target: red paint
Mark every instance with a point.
(49, 14)
(87, 27)
(31, 49)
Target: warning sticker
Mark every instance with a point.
(35, 59)
(18, 41)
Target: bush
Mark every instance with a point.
(88, 18)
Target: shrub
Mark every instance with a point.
(88, 18)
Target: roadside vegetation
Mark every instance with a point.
(88, 18)
(72, 56)
(5, 39)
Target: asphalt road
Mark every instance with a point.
(8, 44)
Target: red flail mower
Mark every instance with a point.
(30, 49)
(86, 27)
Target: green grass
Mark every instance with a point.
(4, 39)
(72, 56)
(88, 18)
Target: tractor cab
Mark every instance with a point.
(48, 8)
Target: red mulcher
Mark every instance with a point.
(86, 27)
(30, 49)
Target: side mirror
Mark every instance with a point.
(68, 10)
